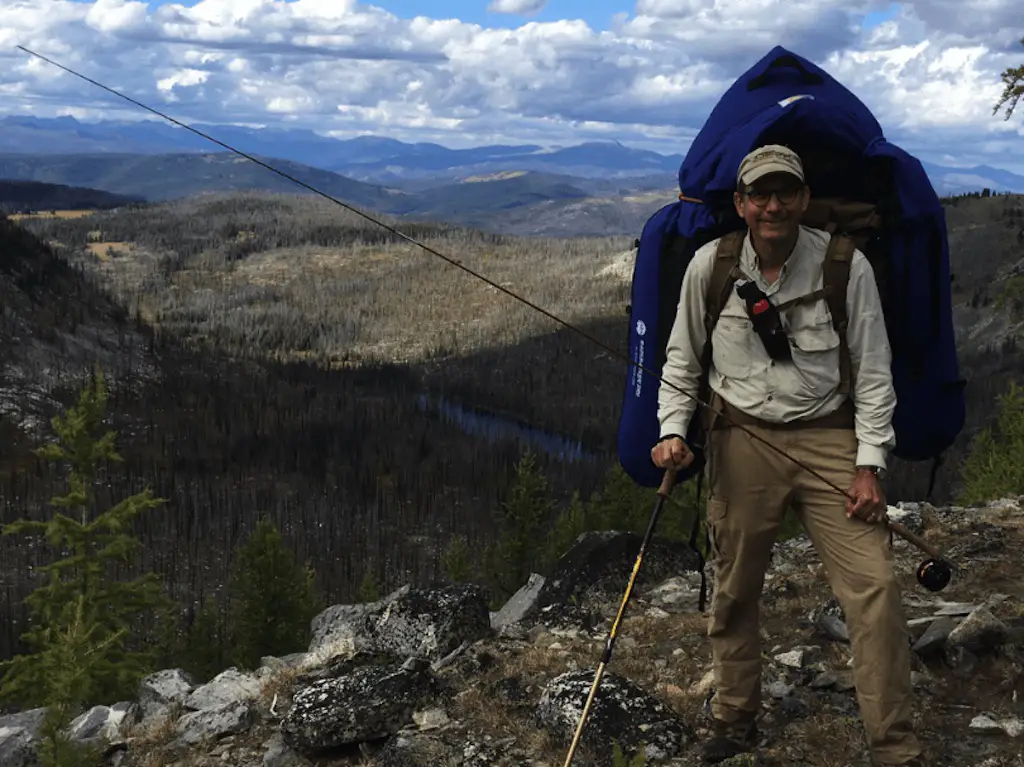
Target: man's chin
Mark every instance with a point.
(781, 229)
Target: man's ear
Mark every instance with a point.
(737, 200)
(805, 199)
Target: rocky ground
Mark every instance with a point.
(431, 678)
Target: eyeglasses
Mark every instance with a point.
(785, 196)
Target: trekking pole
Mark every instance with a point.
(664, 490)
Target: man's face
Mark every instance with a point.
(773, 206)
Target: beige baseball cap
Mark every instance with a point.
(771, 158)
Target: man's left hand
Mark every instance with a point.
(870, 500)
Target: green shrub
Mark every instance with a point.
(994, 467)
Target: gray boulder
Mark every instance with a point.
(622, 712)
(372, 702)
(19, 734)
(427, 623)
(980, 631)
(519, 605)
(162, 690)
(215, 723)
(229, 686)
(103, 722)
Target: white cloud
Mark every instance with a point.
(517, 7)
(930, 74)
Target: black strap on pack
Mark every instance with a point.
(936, 464)
(767, 321)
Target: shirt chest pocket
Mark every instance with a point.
(815, 348)
(816, 337)
(732, 351)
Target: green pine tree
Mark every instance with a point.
(1013, 91)
(523, 522)
(621, 504)
(369, 589)
(204, 653)
(273, 599)
(571, 523)
(994, 467)
(81, 619)
(455, 560)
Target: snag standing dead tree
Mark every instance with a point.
(1013, 79)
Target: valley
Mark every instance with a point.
(275, 355)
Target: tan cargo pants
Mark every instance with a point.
(751, 487)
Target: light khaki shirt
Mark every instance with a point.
(743, 373)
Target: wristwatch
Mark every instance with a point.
(878, 471)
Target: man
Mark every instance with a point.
(794, 402)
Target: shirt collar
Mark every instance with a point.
(750, 261)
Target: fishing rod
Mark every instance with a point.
(941, 562)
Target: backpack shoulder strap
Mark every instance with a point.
(724, 272)
(836, 274)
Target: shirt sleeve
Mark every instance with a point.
(682, 367)
(872, 391)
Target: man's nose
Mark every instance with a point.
(773, 202)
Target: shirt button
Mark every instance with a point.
(771, 397)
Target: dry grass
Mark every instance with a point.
(828, 741)
(278, 686)
(150, 740)
(499, 176)
(52, 214)
(105, 250)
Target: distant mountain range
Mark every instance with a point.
(367, 158)
(511, 203)
(589, 189)
(385, 161)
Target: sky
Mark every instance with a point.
(550, 72)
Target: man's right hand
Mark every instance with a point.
(671, 453)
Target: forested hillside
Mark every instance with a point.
(262, 397)
(371, 399)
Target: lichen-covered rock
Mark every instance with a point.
(679, 594)
(344, 664)
(428, 623)
(622, 712)
(908, 515)
(370, 703)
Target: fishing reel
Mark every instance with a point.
(934, 574)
